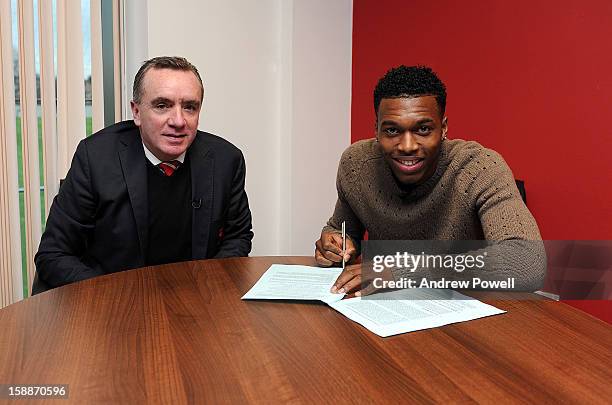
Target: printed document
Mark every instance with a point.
(386, 314)
(408, 310)
(292, 282)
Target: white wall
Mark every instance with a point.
(277, 77)
(321, 98)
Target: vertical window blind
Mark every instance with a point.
(46, 100)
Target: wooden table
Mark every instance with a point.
(180, 334)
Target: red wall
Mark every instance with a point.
(531, 79)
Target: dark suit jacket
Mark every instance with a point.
(98, 222)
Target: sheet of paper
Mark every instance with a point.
(408, 310)
(292, 282)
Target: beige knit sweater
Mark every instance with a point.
(471, 196)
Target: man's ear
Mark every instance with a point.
(376, 129)
(135, 112)
(444, 127)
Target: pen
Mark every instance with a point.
(343, 243)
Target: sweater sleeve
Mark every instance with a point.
(514, 247)
(344, 210)
(517, 249)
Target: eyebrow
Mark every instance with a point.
(388, 122)
(424, 121)
(194, 103)
(168, 101)
(161, 100)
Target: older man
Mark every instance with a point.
(149, 191)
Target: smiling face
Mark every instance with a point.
(410, 131)
(168, 111)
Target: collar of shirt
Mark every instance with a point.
(155, 161)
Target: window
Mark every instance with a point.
(58, 53)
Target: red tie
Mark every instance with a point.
(169, 167)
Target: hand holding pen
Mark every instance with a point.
(334, 249)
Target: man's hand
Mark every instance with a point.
(348, 280)
(352, 280)
(328, 249)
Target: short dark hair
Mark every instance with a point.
(410, 81)
(163, 62)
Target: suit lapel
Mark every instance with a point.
(135, 173)
(202, 163)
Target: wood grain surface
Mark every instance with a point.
(180, 334)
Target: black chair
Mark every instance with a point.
(521, 187)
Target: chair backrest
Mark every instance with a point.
(521, 187)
